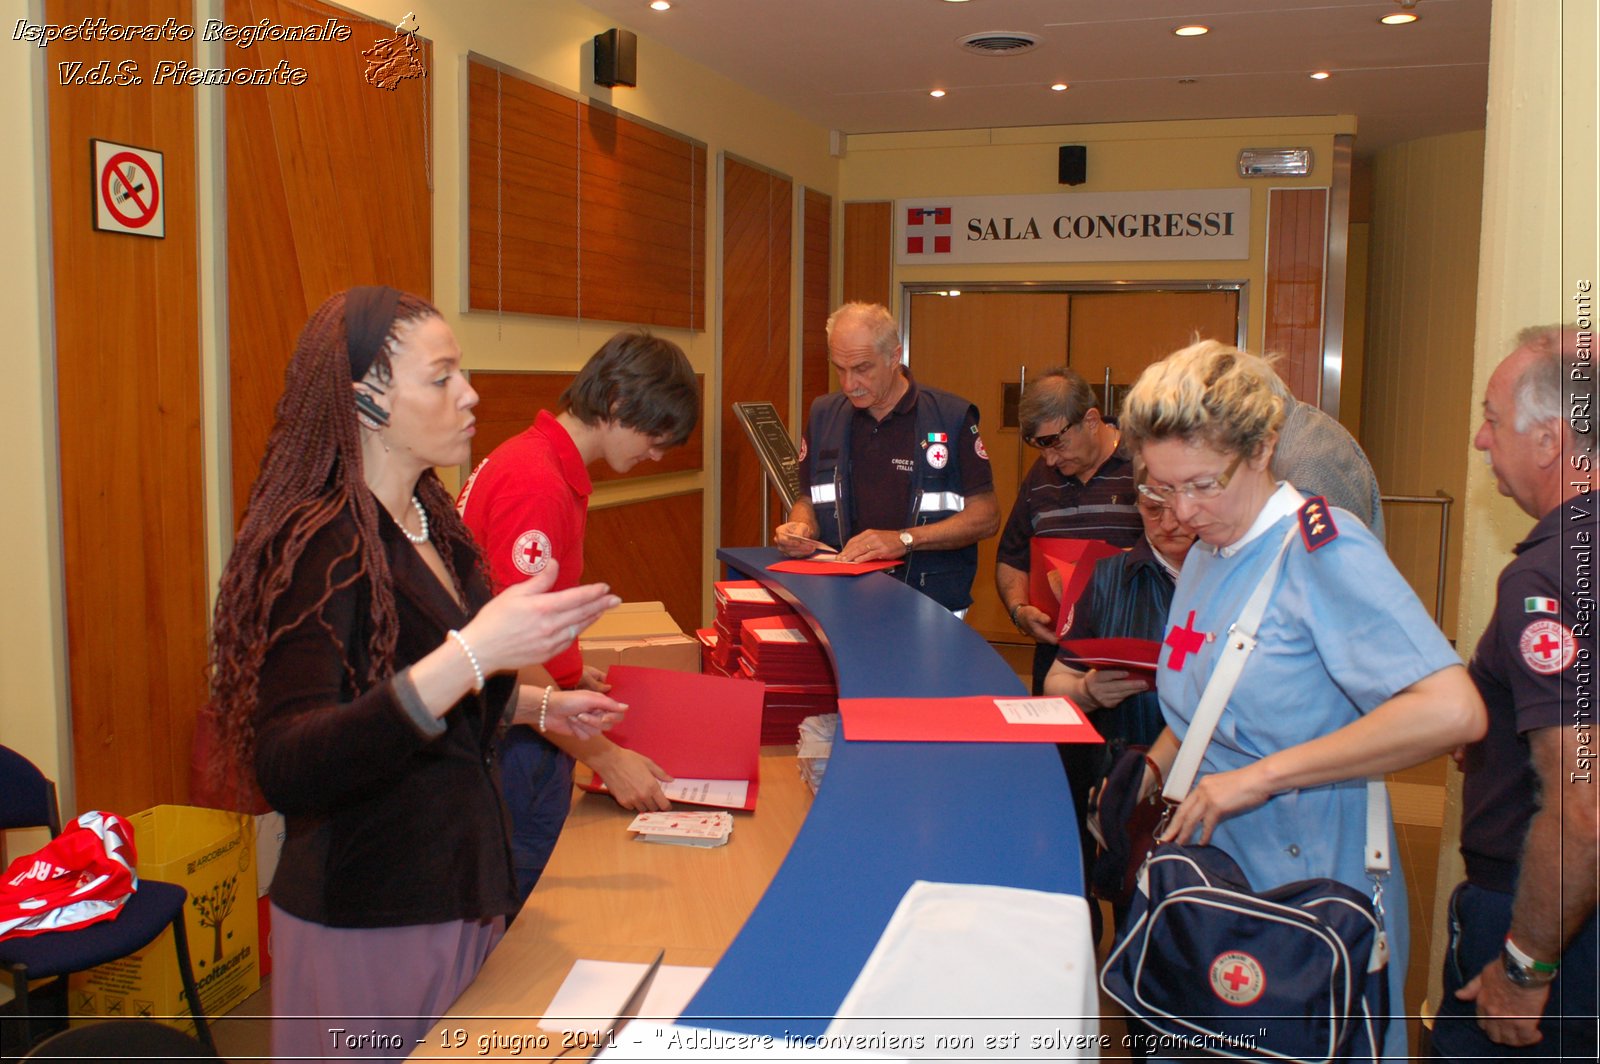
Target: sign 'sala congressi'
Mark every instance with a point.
(1183, 224)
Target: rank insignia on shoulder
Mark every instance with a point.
(1316, 523)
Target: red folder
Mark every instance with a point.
(1138, 656)
(694, 726)
(966, 719)
(816, 568)
(1074, 559)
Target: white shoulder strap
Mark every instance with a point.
(1230, 664)
(1241, 642)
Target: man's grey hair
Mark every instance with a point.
(1542, 391)
(878, 321)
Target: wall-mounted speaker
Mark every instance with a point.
(616, 58)
(1074, 162)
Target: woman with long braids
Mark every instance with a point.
(362, 668)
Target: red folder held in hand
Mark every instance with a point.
(1074, 559)
(1137, 656)
(694, 726)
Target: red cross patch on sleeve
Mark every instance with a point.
(1316, 523)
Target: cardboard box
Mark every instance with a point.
(639, 633)
(211, 854)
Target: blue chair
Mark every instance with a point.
(28, 800)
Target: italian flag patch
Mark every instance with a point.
(938, 437)
(1541, 605)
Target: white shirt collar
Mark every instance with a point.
(1161, 560)
(1281, 503)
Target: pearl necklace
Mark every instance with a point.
(422, 515)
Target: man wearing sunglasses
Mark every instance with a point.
(1080, 488)
(893, 469)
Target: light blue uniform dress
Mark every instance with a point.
(1342, 633)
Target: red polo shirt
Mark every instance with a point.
(526, 503)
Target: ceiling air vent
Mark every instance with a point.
(998, 42)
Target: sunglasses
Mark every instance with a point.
(1044, 443)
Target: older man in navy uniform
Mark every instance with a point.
(1519, 976)
(893, 469)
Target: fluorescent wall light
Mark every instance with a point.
(1275, 162)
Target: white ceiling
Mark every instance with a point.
(866, 66)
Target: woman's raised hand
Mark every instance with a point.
(527, 624)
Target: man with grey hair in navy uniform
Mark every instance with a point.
(892, 469)
(1519, 973)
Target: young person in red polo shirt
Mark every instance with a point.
(527, 505)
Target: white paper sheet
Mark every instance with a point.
(731, 794)
(595, 991)
(1038, 711)
(1016, 976)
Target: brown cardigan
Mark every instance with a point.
(387, 826)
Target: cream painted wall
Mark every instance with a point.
(33, 679)
(1121, 157)
(1423, 279)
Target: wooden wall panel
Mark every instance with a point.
(127, 357)
(868, 252)
(1297, 239)
(816, 290)
(509, 401)
(650, 551)
(328, 187)
(756, 239)
(522, 154)
(578, 211)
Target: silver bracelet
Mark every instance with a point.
(544, 707)
(472, 659)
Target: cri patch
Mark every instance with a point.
(938, 455)
(1547, 647)
(1237, 978)
(531, 552)
(980, 449)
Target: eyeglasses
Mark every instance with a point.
(1203, 488)
(1044, 443)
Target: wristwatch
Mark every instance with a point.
(905, 540)
(1523, 970)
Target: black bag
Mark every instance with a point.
(1124, 828)
(1297, 973)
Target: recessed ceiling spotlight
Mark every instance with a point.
(936, 93)
(1399, 18)
(1059, 86)
(1192, 31)
(1321, 75)
(660, 5)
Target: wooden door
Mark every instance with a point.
(974, 345)
(1126, 331)
(757, 217)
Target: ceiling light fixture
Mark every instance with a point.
(1192, 31)
(936, 93)
(660, 5)
(1059, 86)
(1321, 75)
(1399, 18)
